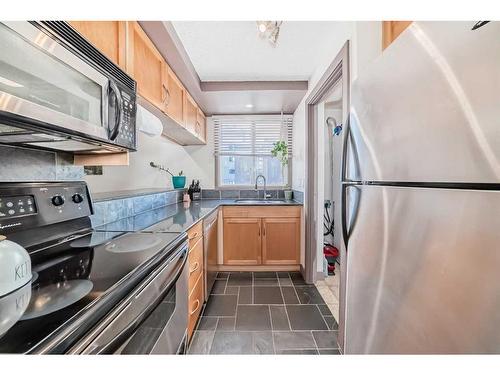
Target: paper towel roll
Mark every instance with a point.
(148, 123)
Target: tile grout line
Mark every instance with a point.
(323, 317)
(286, 311)
(272, 329)
(315, 342)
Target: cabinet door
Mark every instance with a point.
(201, 126)
(391, 30)
(281, 241)
(146, 65)
(190, 113)
(174, 104)
(242, 241)
(107, 36)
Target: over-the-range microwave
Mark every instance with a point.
(58, 92)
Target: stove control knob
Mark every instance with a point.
(77, 198)
(57, 200)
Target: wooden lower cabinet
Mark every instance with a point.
(281, 241)
(195, 305)
(242, 241)
(196, 275)
(261, 236)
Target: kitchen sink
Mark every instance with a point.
(261, 201)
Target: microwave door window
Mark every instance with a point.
(29, 72)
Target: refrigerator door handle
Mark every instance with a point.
(349, 224)
(347, 131)
(349, 142)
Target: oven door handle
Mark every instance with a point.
(113, 133)
(117, 339)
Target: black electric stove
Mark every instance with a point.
(79, 275)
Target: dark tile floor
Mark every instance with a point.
(265, 313)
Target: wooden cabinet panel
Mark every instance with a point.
(391, 30)
(190, 113)
(174, 103)
(260, 211)
(242, 241)
(194, 233)
(201, 126)
(146, 65)
(195, 263)
(194, 305)
(109, 37)
(281, 241)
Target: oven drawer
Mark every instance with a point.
(195, 305)
(195, 233)
(195, 260)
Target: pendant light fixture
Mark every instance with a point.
(269, 30)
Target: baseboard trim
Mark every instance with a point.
(224, 268)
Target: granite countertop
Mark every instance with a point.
(99, 197)
(178, 217)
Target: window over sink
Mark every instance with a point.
(243, 147)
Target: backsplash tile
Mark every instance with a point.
(23, 164)
(210, 194)
(159, 200)
(143, 203)
(20, 164)
(249, 194)
(229, 194)
(112, 210)
(298, 196)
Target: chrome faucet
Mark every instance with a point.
(257, 180)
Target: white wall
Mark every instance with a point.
(365, 39)
(366, 44)
(197, 162)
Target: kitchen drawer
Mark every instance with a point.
(194, 233)
(195, 305)
(260, 211)
(195, 263)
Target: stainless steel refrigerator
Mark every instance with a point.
(421, 193)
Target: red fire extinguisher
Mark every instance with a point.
(331, 254)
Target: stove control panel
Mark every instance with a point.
(29, 205)
(15, 206)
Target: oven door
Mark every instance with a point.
(152, 320)
(43, 81)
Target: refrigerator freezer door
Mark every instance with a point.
(423, 271)
(427, 110)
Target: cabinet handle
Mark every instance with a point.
(194, 235)
(196, 309)
(166, 99)
(264, 229)
(259, 231)
(196, 266)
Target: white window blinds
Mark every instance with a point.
(251, 135)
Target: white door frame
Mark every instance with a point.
(338, 70)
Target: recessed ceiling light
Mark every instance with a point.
(262, 27)
(249, 105)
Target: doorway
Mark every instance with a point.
(327, 111)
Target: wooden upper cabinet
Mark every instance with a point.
(174, 103)
(109, 37)
(280, 241)
(146, 65)
(190, 113)
(391, 30)
(242, 241)
(201, 126)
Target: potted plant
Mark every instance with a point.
(178, 181)
(280, 151)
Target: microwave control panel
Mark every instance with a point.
(127, 134)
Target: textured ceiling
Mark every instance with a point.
(234, 51)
